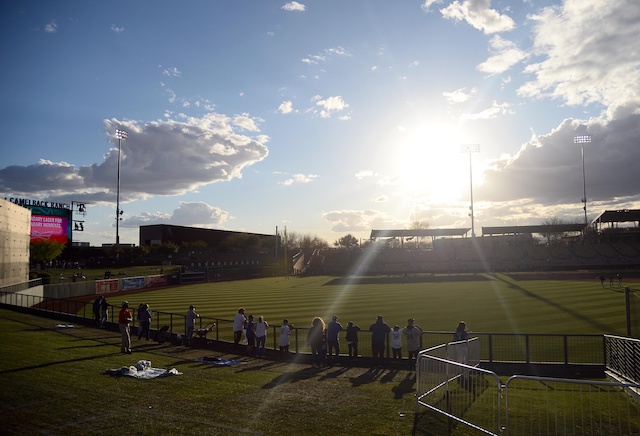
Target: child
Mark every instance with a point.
(352, 339)
(283, 342)
(396, 342)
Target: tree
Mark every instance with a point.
(419, 225)
(45, 250)
(347, 241)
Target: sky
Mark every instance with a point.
(324, 117)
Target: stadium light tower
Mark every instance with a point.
(582, 140)
(471, 148)
(122, 136)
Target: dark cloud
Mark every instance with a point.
(165, 157)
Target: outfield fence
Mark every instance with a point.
(524, 405)
(494, 348)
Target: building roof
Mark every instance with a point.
(408, 233)
(618, 216)
(541, 229)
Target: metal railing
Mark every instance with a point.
(556, 406)
(494, 347)
(622, 357)
(524, 405)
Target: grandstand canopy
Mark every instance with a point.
(618, 216)
(419, 233)
(541, 229)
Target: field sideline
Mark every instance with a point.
(505, 303)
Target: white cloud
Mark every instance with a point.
(359, 220)
(286, 107)
(299, 178)
(459, 95)
(505, 55)
(163, 157)
(325, 55)
(428, 3)
(494, 111)
(117, 29)
(330, 105)
(294, 6)
(364, 174)
(590, 53)
(478, 13)
(198, 214)
(51, 27)
(171, 72)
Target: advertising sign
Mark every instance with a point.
(132, 283)
(106, 286)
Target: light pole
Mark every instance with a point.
(583, 139)
(121, 135)
(471, 148)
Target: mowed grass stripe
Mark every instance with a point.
(488, 304)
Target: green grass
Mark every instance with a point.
(52, 380)
(501, 303)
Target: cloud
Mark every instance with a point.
(428, 3)
(171, 72)
(325, 55)
(359, 220)
(286, 107)
(294, 6)
(163, 157)
(364, 174)
(590, 53)
(505, 55)
(494, 111)
(478, 13)
(459, 95)
(329, 106)
(547, 171)
(197, 214)
(117, 29)
(52, 27)
(299, 178)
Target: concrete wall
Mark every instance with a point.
(15, 233)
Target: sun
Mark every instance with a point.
(431, 165)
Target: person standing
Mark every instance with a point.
(315, 340)
(284, 339)
(104, 312)
(333, 329)
(352, 339)
(379, 331)
(144, 317)
(412, 334)
(251, 335)
(96, 309)
(239, 324)
(461, 335)
(396, 342)
(190, 324)
(261, 336)
(124, 319)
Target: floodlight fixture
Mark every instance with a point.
(583, 139)
(471, 148)
(121, 135)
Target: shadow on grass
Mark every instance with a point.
(62, 362)
(411, 278)
(292, 377)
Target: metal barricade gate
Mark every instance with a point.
(524, 405)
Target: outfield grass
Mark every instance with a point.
(501, 303)
(53, 382)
